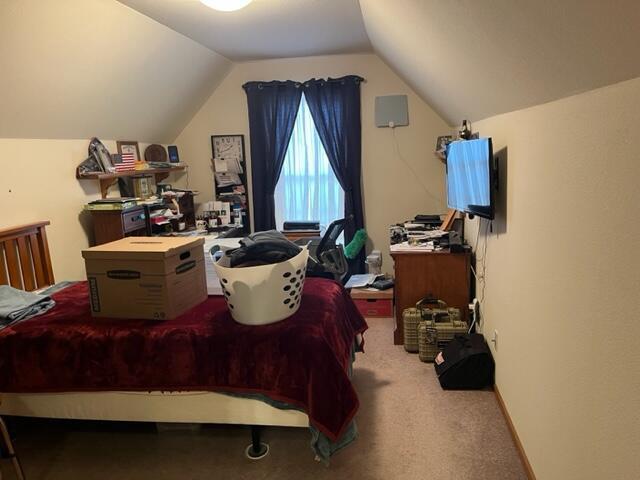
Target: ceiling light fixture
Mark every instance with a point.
(226, 5)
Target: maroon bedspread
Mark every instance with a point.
(303, 360)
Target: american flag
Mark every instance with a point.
(127, 162)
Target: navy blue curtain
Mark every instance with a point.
(273, 107)
(335, 108)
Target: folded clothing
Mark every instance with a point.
(263, 248)
(17, 305)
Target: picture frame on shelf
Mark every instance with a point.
(172, 150)
(143, 186)
(441, 146)
(447, 223)
(127, 147)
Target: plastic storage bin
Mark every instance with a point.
(373, 303)
(266, 293)
(374, 307)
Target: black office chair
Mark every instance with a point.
(326, 257)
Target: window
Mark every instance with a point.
(307, 188)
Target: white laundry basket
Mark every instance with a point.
(266, 293)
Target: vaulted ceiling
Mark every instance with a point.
(140, 69)
(265, 28)
(477, 58)
(466, 58)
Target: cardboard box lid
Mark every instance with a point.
(143, 248)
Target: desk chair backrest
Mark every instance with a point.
(331, 235)
(328, 256)
(25, 262)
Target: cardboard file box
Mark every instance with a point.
(146, 277)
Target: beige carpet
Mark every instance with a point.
(409, 429)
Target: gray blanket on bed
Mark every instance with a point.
(16, 305)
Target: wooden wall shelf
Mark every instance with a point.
(107, 180)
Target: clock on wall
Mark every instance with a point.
(230, 186)
(228, 146)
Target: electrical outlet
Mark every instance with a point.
(494, 340)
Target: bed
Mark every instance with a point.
(201, 367)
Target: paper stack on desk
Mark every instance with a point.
(421, 247)
(361, 280)
(213, 282)
(230, 165)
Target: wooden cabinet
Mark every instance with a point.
(110, 225)
(443, 275)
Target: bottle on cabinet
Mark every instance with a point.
(464, 132)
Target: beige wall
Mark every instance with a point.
(392, 192)
(82, 68)
(562, 282)
(72, 69)
(38, 183)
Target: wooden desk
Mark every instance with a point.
(110, 225)
(442, 275)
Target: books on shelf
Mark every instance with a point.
(115, 200)
(160, 165)
(109, 206)
(115, 203)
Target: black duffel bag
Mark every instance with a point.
(465, 363)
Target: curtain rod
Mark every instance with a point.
(262, 84)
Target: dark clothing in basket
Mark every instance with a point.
(263, 248)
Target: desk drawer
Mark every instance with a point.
(133, 220)
(374, 307)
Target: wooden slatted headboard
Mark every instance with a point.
(25, 262)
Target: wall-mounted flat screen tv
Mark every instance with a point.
(470, 177)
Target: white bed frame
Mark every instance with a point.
(178, 407)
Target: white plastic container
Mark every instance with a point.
(374, 262)
(266, 293)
